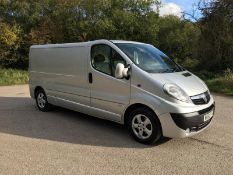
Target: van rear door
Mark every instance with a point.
(61, 71)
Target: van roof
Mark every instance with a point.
(124, 41)
(58, 45)
(80, 44)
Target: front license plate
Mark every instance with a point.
(208, 116)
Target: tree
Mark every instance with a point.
(120, 19)
(216, 41)
(60, 21)
(9, 44)
(178, 38)
(209, 40)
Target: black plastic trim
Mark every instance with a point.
(200, 100)
(187, 74)
(193, 121)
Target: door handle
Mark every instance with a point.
(90, 77)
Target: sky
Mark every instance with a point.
(176, 7)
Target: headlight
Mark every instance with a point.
(176, 92)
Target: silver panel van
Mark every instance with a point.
(127, 82)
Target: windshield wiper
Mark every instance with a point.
(176, 69)
(167, 71)
(170, 70)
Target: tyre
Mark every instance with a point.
(42, 102)
(144, 126)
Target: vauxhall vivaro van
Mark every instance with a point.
(127, 82)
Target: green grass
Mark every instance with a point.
(221, 85)
(13, 77)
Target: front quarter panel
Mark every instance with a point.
(140, 96)
(145, 90)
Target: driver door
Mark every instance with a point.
(109, 95)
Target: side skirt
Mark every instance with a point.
(89, 110)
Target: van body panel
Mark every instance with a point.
(187, 83)
(170, 129)
(62, 70)
(107, 92)
(180, 108)
(146, 83)
(86, 109)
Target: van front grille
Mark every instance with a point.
(201, 99)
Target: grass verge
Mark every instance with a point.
(221, 85)
(13, 77)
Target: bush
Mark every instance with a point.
(222, 83)
(205, 75)
(190, 64)
(13, 76)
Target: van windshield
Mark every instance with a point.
(149, 58)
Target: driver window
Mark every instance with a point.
(105, 59)
(101, 55)
(116, 58)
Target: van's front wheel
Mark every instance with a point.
(41, 101)
(144, 126)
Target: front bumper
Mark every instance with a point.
(192, 121)
(180, 125)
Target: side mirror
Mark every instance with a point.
(121, 71)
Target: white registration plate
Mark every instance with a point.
(208, 116)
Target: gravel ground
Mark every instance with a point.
(66, 142)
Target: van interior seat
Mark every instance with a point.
(101, 64)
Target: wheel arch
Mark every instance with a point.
(134, 106)
(36, 89)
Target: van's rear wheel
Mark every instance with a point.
(41, 101)
(144, 126)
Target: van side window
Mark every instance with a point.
(105, 59)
